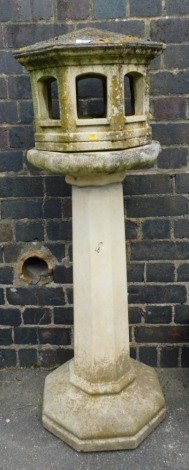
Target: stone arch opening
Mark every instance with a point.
(91, 96)
(49, 98)
(133, 94)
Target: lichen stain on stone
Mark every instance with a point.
(127, 37)
(117, 116)
(106, 40)
(93, 137)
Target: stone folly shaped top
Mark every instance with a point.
(90, 90)
(87, 41)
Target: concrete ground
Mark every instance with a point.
(26, 445)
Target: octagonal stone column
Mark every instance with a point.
(100, 297)
(100, 400)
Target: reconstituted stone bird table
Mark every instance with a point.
(101, 399)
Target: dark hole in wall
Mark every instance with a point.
(35, 268)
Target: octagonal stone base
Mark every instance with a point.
(103, 422)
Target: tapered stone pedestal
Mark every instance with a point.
(101, 400)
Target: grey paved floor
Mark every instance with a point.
(25, 445)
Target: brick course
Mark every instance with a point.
(72, 10)
(156, 206)
(169, 356)
(172, 157)
(176, 56)
(7, 358)
(36, 321)
(170, 30)
(148, 355)
(29, 231)
(170, 108)
(37, 316)
(11, 161)
(175, 7)
(156, 228)
(145, 8)
(109, 9)
(158, 294)
(160, 272)
(158, 314)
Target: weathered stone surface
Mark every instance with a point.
(96, 402)
(103, 422)
(95, 163)
(119, 120)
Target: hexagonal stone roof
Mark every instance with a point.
(91, 39)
